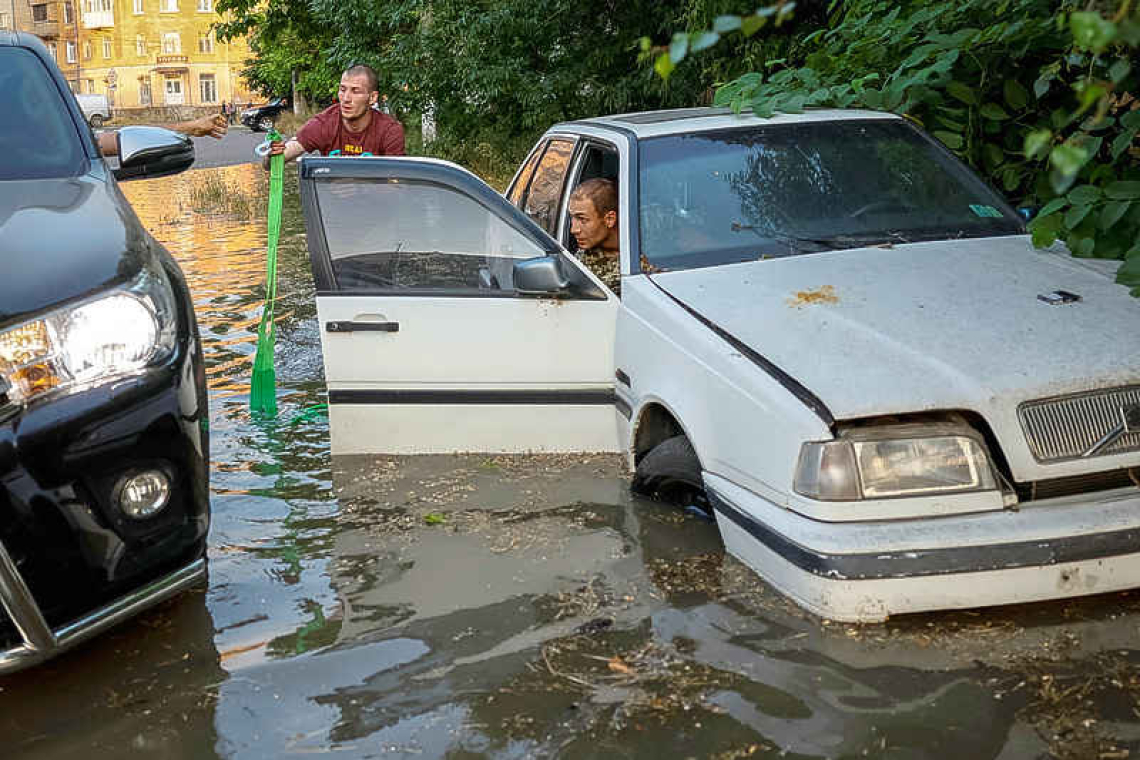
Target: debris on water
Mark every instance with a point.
(434, 518)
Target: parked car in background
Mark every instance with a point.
(104, 502)
(262, 118)
(96, 109)
(831, 333)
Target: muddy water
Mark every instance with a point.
(514, 607)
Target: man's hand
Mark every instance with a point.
(213, 126)
(289, 148)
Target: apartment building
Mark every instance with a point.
(140, 53)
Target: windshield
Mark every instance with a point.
(744, 194)
(39, 136)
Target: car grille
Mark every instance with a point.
(1053, 488)
(1064, 428)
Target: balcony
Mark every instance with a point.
(99, 19)
(166, 60)
(47, 30)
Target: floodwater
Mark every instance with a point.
(513, 607)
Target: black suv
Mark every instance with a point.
(104, 503)
(262, 118)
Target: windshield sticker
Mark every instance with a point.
(985, 211)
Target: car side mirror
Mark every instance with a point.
(541, 276)
(152, 152)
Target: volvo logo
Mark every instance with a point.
(1129, 423)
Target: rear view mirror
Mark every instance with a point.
(540, 276)
(152, 152)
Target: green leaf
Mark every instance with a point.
(1084, 194)
(726, 24)
(703, 41)
(1011, 178)
(1124, 190)
(1044, 230)
(749, 25)
(1111, 213)
(663, 66)
(1059, 181)
(993, 111)
(1036, 142)
(1082, 246)
(993, 155)
(961, 92)
(1119, 70)
(1129, 32)
(434, 518)
(1076, 215)
(1092, 31)
(1129, 272)
(1089, 93)
(1041, 85)
(950, 140)
(1052, 207)
(1068, 159)
(1015, 95)
(1122, 142)
(678, 48)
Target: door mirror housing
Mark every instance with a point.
(152, 152)
(541, 276)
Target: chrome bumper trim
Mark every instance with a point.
(41, 643)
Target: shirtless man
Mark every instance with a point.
(594, 225)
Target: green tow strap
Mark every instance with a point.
(263, 385)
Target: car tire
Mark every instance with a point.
(265, 123)
(96, 120)
(671, 472)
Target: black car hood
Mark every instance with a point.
(62, 239)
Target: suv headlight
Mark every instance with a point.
(895, 461)
(85, 344)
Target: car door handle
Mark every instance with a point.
(350, 326)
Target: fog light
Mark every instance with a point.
(143, 494)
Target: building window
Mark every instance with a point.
(168, 6)
(4, 21)
(208, 88)
(138, 7)
(205, 6)
(70, 52)
(144, 92)
(106, 48)
(39, 13)
(171, 43)
(140, 45)
(51, 49)
(67, 14)
(206, 43)
(87, 51)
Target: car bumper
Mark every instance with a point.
(866, 572)
(71, 563)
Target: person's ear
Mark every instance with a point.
(610, 218)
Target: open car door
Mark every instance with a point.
(429, 346)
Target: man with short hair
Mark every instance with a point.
(349, 127)
(594, 225)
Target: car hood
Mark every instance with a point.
(63, 239)
(927, 326)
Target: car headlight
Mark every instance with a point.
(895, 461)
(84, 344)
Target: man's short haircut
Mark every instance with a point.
(601, 192)
(367, 71)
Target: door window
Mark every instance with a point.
(519, 190)
(546, 185)
(385, 235)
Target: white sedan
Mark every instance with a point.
(830, 333)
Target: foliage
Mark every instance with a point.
(1038, 95)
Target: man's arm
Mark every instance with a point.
(291, 149)
(213, 126)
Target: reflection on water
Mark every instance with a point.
(513, 607)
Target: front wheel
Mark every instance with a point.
(265, 123)
(671, 472)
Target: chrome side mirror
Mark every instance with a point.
(152, 152)
(541, 276)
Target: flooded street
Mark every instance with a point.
(512, 607)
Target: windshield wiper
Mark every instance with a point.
(826, 243)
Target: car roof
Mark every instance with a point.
(688, 120)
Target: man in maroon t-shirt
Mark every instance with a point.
(350, 127)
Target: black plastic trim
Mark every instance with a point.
(622, 378)
(915, 563)
(623, 407)
(809, 399)
(584, 397)
(343, 326)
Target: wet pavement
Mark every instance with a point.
(513, 607)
